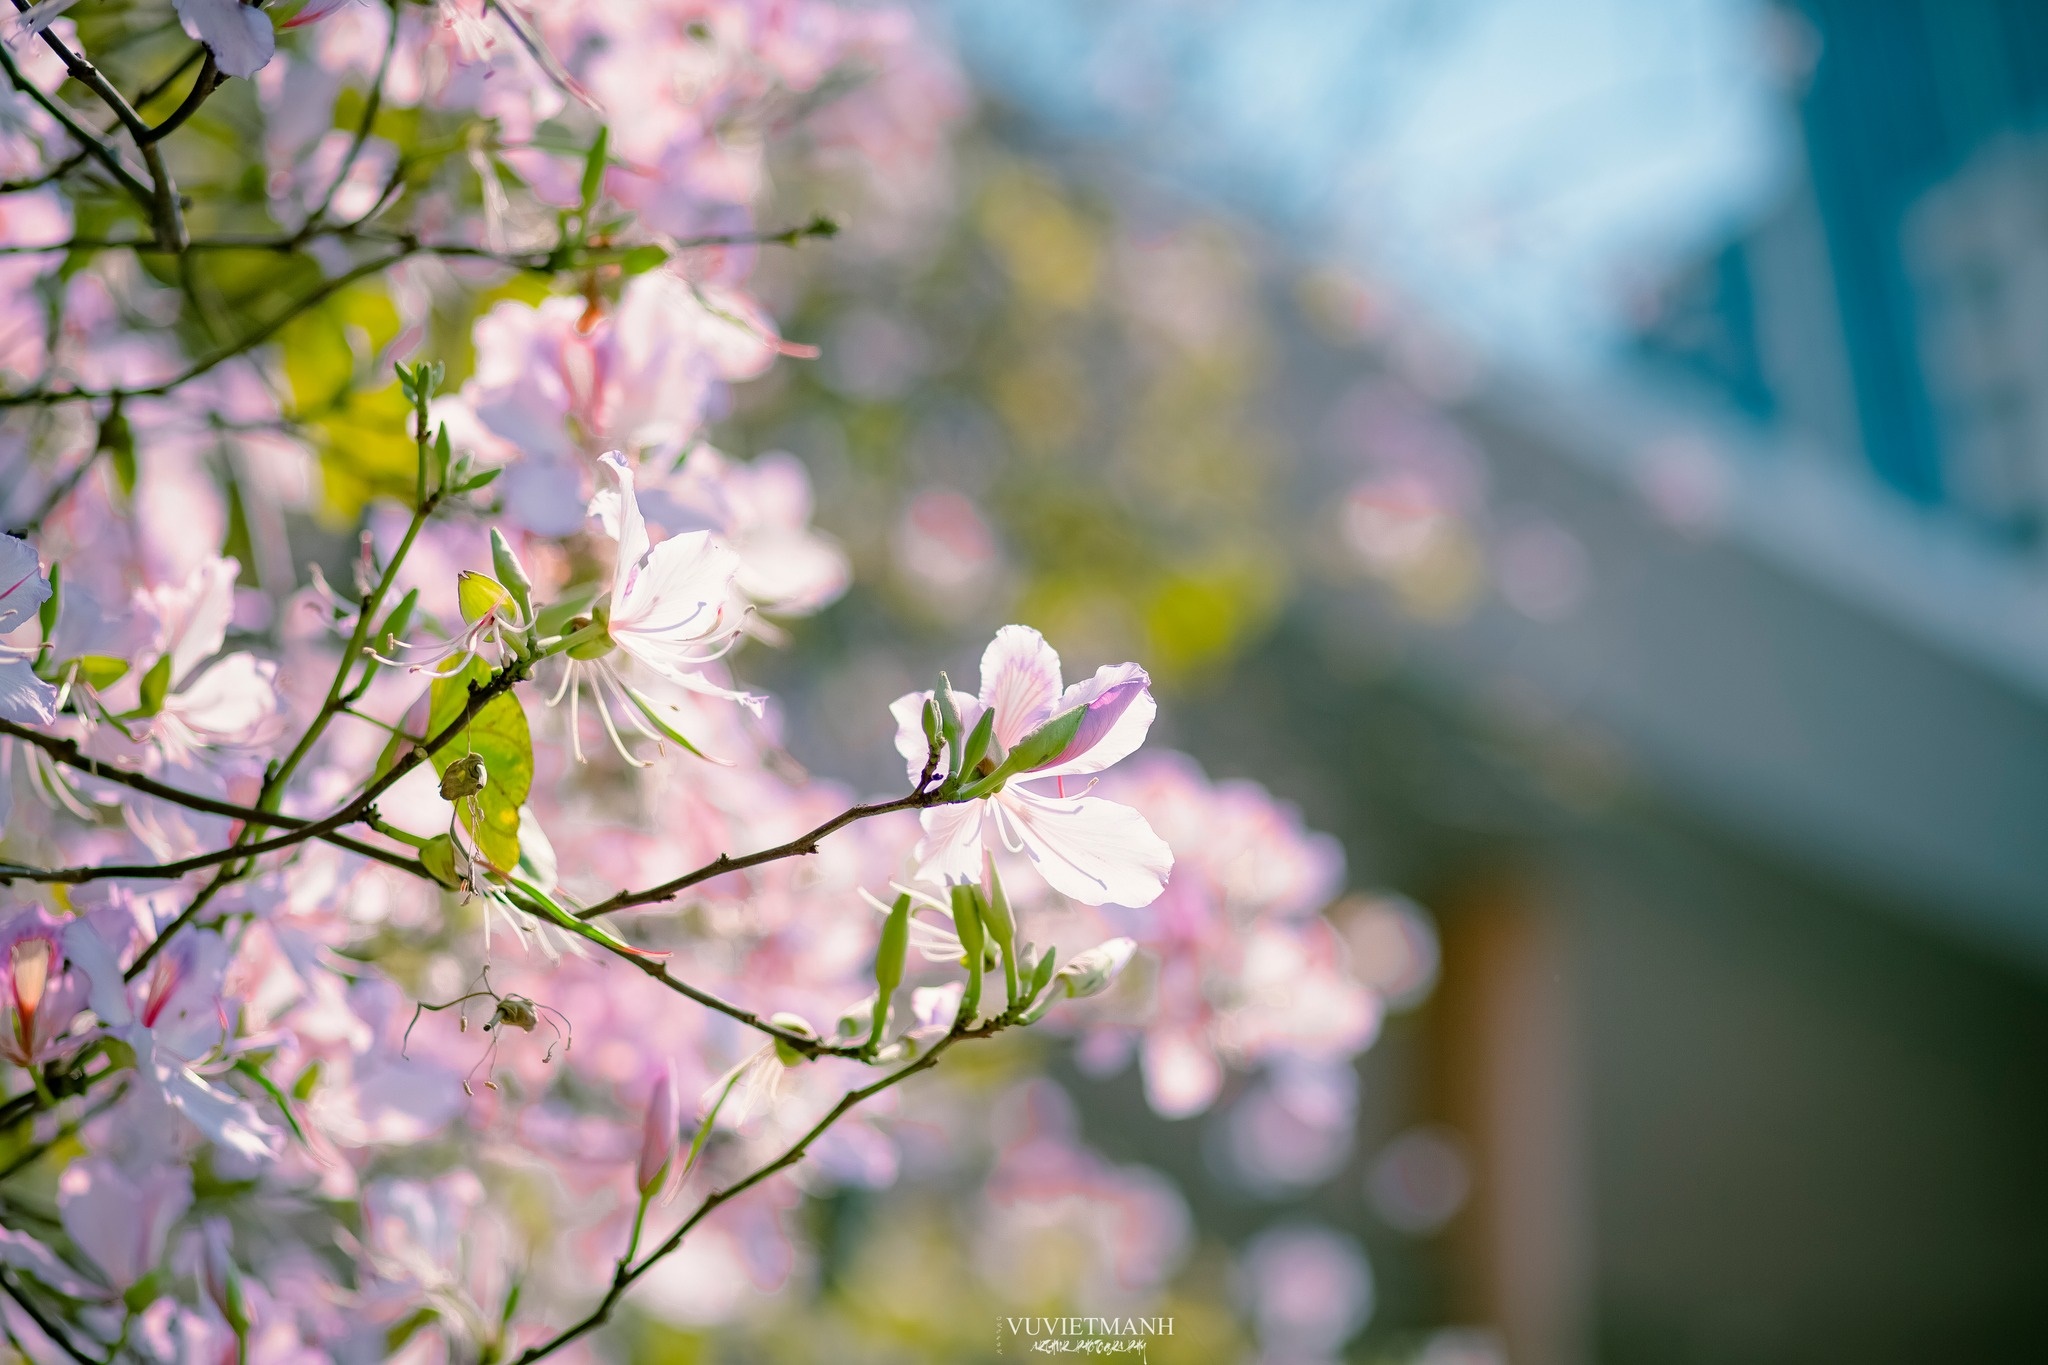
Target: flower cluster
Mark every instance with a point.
(422, 952)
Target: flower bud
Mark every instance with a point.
(512, 573)
(1091, 973)
(889, 955)
(659, 1138)
(967, 923)
(977, 744)
(798, 1025)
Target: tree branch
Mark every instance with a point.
(924, 796)
(626, 1274)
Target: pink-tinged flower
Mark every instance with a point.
(562, 384)
(121, 1221)
(239, 36)
(762, 510)
(660, 1136)
(172, 1018)
(39, 995)
(1093, 851)
(230, 703)
(672, 610)
(24, 698)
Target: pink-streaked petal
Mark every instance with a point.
(950, 851)
(25, 699)
(1090, 850)
(1120, 713)
(1020, 679)
(23, 588)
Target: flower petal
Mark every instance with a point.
(23, 588)
(1088, 849)
(1020, 679)
(240, 35)
(25, 699)
(1120, 712)
(951, 848)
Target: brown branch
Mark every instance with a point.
(355, 810)
(626, 1273)
(922, 796)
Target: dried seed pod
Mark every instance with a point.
(464, 777)
(517, 1011)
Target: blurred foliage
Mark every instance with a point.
(1087, 383)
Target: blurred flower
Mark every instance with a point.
(1419, 1180)
(1309, 1289)
(121, 1221)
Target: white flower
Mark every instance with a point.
(672, 610)
(1091, 850)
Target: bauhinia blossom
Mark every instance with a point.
(672, 610)
(1091, 850)
(39, 996)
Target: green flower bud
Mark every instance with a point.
(512, 573)
(791, 1023)
(977, 744)
(889, 956)
(967, 924)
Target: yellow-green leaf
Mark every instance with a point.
(498, 734)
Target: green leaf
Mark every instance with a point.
(46, 614)
(593, 170)
(647, 708)
(489, 476)
(156, 684)
(499, 735)
(642, 259)
(255, 1073)
(437, 855)
(582, 928)
(99, 671)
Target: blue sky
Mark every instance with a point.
(1509, 163)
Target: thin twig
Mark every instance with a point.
(49, 1327)
(626, 1273)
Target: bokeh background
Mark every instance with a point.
(1591, 455)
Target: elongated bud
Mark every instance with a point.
(933, 734)
(889, 956)
(1091, 973)
(1002, 927)
(505, 561)
(660, 1137)
(949, 724)
(1041, 975)
(973, 943)
(895, 944)
(977, 743)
